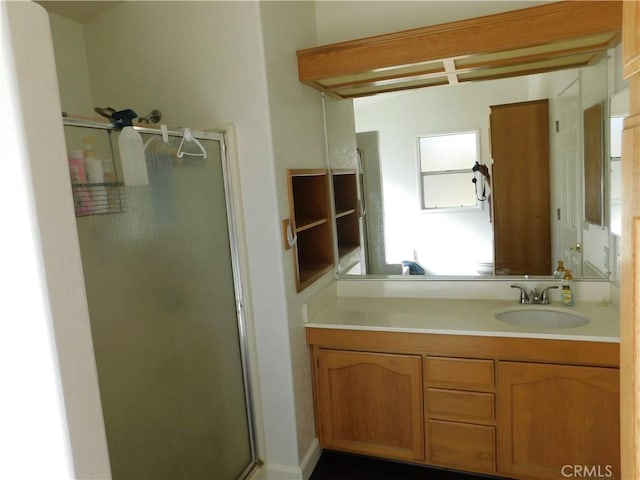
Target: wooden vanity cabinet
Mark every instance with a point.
(520, 408)
(554, 416)
(370, 403)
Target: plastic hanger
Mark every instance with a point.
(164, 131)
(188, 136)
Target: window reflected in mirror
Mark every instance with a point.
(446, 163)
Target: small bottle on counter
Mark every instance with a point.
(566, 289)
(559, 272)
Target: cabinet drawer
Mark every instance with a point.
(460, 372)
(462, 445)
(471, 406)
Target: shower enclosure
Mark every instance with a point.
(165, 301)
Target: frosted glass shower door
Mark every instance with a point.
(160, 285)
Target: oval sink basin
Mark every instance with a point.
(541, 318)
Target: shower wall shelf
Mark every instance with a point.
(98, 198)
(95, 198)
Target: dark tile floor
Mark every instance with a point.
(344, 466)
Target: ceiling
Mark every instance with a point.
(78, 11)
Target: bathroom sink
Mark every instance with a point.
(541, 317)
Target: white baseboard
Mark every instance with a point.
(271, 471)
(310, 459)
(280, 472)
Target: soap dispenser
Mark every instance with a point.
(559, 272)
(566, 289)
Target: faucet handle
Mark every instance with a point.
(524, 297)
(544, 297)
(534, 296)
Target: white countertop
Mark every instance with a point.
(460, 317)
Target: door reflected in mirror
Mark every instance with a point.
(619, 110)
(460, 242)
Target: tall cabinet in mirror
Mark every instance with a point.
(520, 190)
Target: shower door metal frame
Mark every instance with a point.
(235, 264)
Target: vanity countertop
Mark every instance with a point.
(460, 317)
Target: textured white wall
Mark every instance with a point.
(71, 66)
(298, 140)
(46, 349)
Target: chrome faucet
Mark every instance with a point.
(544, 297)
(534, 297)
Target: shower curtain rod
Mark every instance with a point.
(77, 122)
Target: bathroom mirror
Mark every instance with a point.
(458, 242)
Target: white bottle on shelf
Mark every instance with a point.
(95, 178)
(134, 166)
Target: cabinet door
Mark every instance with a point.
(556, 419)
(370, 403)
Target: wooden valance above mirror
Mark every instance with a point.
(545, 38)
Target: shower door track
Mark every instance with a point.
(235, 262)
(199, 134)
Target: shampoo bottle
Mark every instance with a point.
(93, 166)
(95, 177)
(566, 289)
(81, 195)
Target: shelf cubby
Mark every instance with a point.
(310, 215)
(347, 215)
